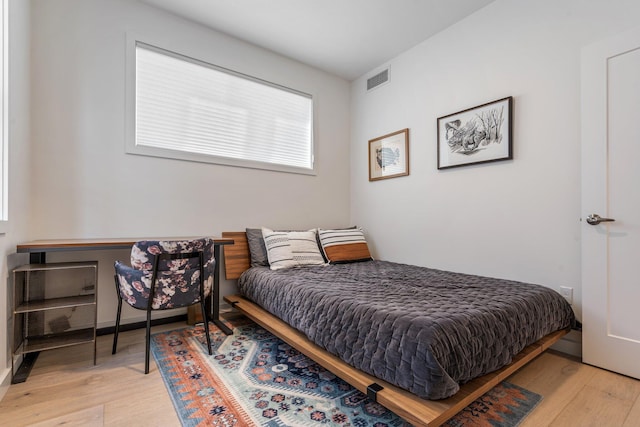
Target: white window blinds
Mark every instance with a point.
(185, 105)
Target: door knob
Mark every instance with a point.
(595, 219)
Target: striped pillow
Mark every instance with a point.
(304, 247)
(343, 246)
(290, 249)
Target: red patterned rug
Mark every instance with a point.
(255, 379)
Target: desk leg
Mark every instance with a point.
(215, 294)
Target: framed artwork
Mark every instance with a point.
(477, 135)
(389, 155)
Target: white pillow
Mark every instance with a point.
(304, 247)
(278, 249)
(292, 248)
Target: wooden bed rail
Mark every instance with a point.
(419, 412)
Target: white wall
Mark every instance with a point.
(19, 168)
(516, 219)
(85, 186)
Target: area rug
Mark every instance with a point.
(255, 379)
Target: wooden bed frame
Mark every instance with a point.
(418, 411)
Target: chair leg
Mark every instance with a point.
(115, 333)
(148, 344)
(206, 325)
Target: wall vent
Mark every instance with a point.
(377, 80)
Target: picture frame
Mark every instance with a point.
(476, 135)
(389, 155)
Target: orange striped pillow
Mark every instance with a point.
(343, 246)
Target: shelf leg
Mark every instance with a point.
(28, 360)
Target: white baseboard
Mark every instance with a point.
(5, 381)
(570, 344)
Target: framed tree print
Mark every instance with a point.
(476, 135)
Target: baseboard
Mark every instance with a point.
(5, 381)
(140, 325)
(570, 344)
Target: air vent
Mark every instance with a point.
(377, 80)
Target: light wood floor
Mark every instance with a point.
(65, 388)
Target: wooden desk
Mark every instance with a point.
(38, 249)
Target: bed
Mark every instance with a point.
(424, 352)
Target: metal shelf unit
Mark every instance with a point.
(54, 306)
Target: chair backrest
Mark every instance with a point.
(177, 269)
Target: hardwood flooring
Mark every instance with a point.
(65, 388)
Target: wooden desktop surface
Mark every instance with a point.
(97, 244)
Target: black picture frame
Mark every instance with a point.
(480, 134)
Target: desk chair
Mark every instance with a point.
(164, 275)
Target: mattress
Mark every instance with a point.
(421, 329)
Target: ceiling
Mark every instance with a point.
(344, 37)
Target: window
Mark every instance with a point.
(4, 131)
(191, 110)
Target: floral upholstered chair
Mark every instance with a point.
(164, 275)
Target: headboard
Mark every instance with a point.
(236, 256)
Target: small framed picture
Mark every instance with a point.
(477, 135)
(389, 155)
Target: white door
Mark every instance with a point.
(611, 189)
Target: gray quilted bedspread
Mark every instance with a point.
(424, 330)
